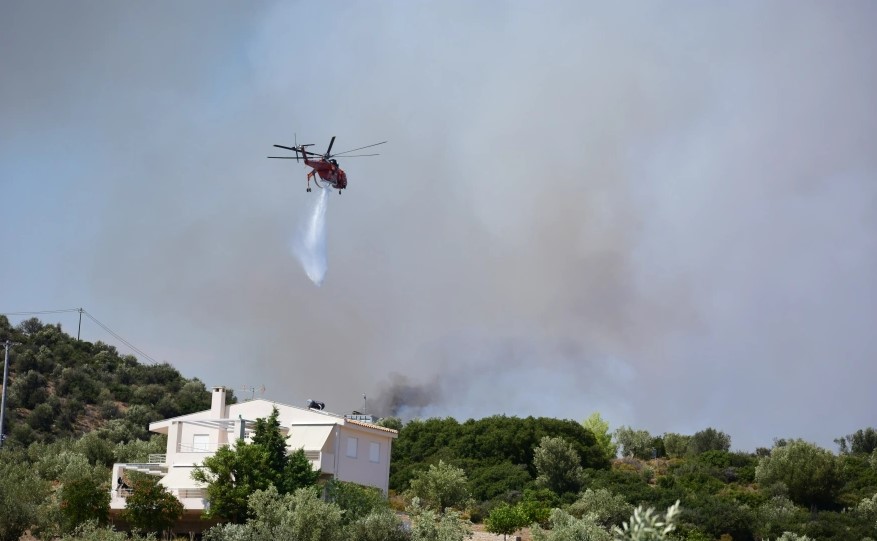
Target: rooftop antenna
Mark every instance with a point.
(253, 390)
(364, 408)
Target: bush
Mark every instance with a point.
(28, 391)
(376, 526)
(810, 473)
(150, 507)
(441, 486)
(566, 527)
(355, 501)
(21, 492)
(646, 525)
(606, 508)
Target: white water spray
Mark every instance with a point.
(310, 245)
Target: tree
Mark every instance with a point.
(298, 473)
(394, 423)
(427, 525)
(775, 516)
(505, 519)
(709, 439)
(558, 465)
(355, 501)
(289, 471)
(21, 492)
(150, 507)
(606, 508)
(600, 429)
(676, 445)
(376, 526)
(267, 434)
(85, 493)
(497, 480)
(566, 527)
(861, 441)
(646, 525)
(810, 473)
(301, 516)
(441, 486)
(231, 476)
(634, 443)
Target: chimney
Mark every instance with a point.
(217, 403)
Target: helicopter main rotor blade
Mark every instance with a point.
(287, 148)
(360, 148)
(285, 157)
(359, 155)
(332, 142)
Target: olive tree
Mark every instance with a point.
(811, 474)
(427, 525)
(676, 445)
(21, 492)
(300, 515)
(709, 439)
(603, 506)
(634, 443)
(441, 486)
(564, 527)
(558, 465)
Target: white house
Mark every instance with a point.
(343, 447)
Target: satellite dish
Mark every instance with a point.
(315, 404)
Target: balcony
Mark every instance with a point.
(199, 447)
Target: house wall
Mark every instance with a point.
(367, 467)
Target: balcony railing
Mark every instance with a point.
(157, 459)
(198, 447)
(199, 493)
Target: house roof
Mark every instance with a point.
(371, 425)
(234, 411)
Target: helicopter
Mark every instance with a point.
(325, 166)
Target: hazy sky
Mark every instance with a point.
(665, 212)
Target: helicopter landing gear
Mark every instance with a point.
(309, 189)
(339, 192)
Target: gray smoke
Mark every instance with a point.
(656, 212)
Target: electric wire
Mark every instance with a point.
(37, 312)
(127, 343)
(131, 346)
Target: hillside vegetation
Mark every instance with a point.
(60, 387)
(74, 408)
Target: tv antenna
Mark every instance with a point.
(253, 390)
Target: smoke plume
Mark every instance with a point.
(652, 210)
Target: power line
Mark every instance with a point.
(40, 312)
(127, 343)
(133, 348)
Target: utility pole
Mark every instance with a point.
(80, 324)
(3, 400)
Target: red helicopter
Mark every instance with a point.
(324, 165)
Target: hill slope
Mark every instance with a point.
(60, 387)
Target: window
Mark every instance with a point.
(200, 443)
(351, 447)
(374, 452)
